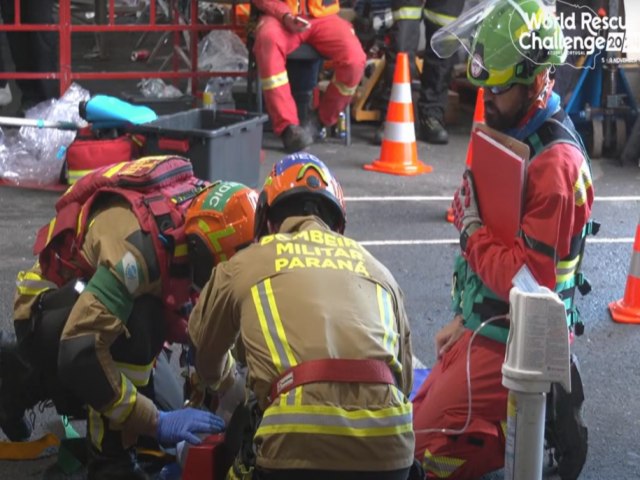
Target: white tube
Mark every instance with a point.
(523, 456)
(460, 431)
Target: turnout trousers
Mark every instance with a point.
(334, 40)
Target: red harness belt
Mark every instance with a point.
(338, 370)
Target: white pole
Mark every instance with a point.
(537, 355)
(525, 436)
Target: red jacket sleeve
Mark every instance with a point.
(275, 8)
(558, 199)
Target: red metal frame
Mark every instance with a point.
(66, 75)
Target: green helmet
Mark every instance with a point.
(516, 41)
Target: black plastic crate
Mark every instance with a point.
(222, 145)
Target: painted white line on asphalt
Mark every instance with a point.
(629, 198)
(453, 241)
(442, 241)
(428, 198)
(410, 198)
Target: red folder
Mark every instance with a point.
(498, 177)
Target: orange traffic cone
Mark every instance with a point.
(399, 152)
(627, 309)
(478, 117)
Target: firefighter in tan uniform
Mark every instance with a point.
(326, 339)
(112, 284)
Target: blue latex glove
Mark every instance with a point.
(183, 424)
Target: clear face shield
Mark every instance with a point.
(460, 33)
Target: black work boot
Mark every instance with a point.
(295, 138)
(13, 372)
(432, 130)
(315, 127)
(565, 430)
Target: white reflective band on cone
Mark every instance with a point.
(401, 93)
(634, 268)
(403, 132)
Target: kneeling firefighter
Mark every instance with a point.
(324, 335)
(118, 266)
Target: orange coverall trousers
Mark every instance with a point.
(334, 39)
(442, 402)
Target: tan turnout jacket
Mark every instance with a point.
(308, 293)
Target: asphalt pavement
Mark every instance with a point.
(401, 221)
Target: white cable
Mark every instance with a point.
(451, 431)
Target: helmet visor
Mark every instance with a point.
(460, 33)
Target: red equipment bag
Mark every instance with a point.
(88, 153)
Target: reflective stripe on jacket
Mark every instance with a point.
(558, 198)
(308, 293)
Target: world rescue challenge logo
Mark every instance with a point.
(585, 32)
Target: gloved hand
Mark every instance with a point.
(466, 216)
(179, 425)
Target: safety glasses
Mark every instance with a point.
(500, 89)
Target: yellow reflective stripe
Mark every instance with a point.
(215, 237)
(408, 13)
(329, 420)
(180, 250)
(121, 408)
(345, 90)
(500, 77)
(438, 18)
(565, 269)
(31, 283)
(96, 428)
(138, 374)
(265, 329)
(441, 466)
(581, 186)
(52, 224)
(79, 224)
(75, 175)
(278, 322)
(282, 355)
(113, 170)
(275, 81)
(388, 320)
(272, 327)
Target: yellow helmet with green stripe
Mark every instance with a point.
(516, 41)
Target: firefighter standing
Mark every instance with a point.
(325, 333)
(32, 51)
(436, 71)
(283, 26)
(557, 205)
(112, 284)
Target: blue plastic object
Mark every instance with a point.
(419, 376)
(104, 111)
(171, 471)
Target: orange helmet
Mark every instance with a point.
(314, 190)
(219, 222)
